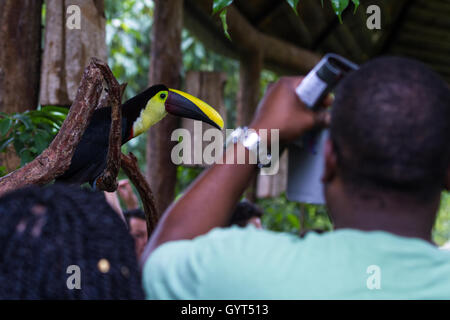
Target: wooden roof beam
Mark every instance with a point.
(316, 22)
(298, 27)
(424, 55)
(275, 51)
(412, 40)
(430, 32)
(435, 5)
(429, 17)
(278, 55)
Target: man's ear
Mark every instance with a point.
(330, 162)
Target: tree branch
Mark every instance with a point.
(55, 160)
(108, 179)
(130, 167)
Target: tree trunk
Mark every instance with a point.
(68, 51)
(20, 44)
(249, 87)
(165, 67)
(20, 51)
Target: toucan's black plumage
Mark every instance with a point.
(138, 114)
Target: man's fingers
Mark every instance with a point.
(123, 182)
(328, 101)
(322, 119)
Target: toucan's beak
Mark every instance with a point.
(184, 105)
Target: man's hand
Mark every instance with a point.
(113, 201)
(282, 109)
(126, 193)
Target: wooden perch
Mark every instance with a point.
(130, 167)
(108, 179)
(56, 159)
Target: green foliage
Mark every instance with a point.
(283, 215)
(3, 171)
(338, 7)
(223, 18)
(30, 132)
(128, 33)
(441, 231)
(185, 176)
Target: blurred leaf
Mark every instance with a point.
(50, 109)
(5, 125)
(5, 143)
(293, 4)
(18, 145)
(223, 18)
(339, 6)
(3, 171)
(218, 5)
(24, 119)
(25, 156)
(356, 3)
(41, 141)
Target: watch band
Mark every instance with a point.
(251, 140)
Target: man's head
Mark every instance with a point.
(390, 133)
(138, 229)
(246, 213)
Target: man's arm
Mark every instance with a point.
(210, 200)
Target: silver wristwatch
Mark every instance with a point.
(251, 140)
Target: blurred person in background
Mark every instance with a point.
(138, 229)
(246, 213)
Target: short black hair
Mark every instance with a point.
(44, 230)
(391, 126)
(134, 213)
(243, 212)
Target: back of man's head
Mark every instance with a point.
(391, 127)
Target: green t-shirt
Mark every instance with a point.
(247, 263)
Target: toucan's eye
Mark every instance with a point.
(162, 95)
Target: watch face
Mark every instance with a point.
(251, 140)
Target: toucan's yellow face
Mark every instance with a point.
(177, 103)
(153, 112)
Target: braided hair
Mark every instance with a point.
(48, 234)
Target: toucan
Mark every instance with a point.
(138, 115)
